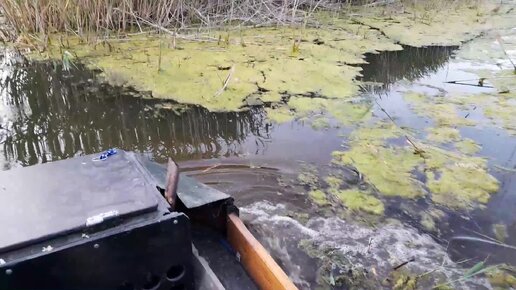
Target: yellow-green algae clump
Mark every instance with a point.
(502, 277)
(319, 197)
(221, 69)
(279, 115)
(458, 185)
(344, 111)
(219, 75)
(499, 109)
(355, 199)
(443, 134)
(388, 168)
(430, 23)
(453, 179)
(439, 108)
(467, 146)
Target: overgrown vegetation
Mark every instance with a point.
(83, 17)
(101, 16)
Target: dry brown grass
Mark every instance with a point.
(85, 16)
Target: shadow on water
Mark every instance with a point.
(410, 64)
(48, 114)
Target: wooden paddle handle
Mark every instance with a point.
(266, 273)
(172, 179)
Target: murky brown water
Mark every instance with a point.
(47, 114)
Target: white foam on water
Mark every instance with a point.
(391, 245)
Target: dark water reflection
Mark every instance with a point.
(409, 64)
(47, 114)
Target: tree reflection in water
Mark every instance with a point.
(411, 64)
(47, 114)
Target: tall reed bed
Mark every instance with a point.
(86, 16)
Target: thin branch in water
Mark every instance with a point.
(500, 41)
(480, 84)
(505, 168)
(226, 82)
(417, 150)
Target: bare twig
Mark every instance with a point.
(500, 41)
(417, 150)
(226, 82)
(403, 264)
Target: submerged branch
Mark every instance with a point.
(485, 241)
(417, 150)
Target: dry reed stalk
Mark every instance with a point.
(85, 17)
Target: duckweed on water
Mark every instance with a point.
(221, 76)
(320, 123)
(304, 106)
(467, 146)
(389, 169)
(452, 179)
(425, 23)
(458, 186)
(438, 108)
(319, 197)
(333, 182)
(496, 48)
(357, 200)
(279, 115)
(502, 111)
(345, 112)
(308, 176)
(353, 199)
(499, 109)
(443, 135)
